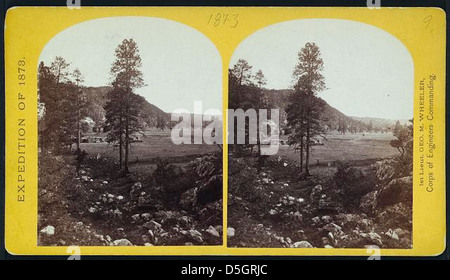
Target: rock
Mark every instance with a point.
(219, 229)
(301, 234)
(364, 224)
(325, 241)
(79, 225)
(156, 224)
(145, 238)
(212, 231)
(302, 244)
(326, 219)
(328, 247)
(120, 197)
(148, 244)
(121, 231)
(48, 230)
(396, 191)
(373, 237)
(273, 212)
(146, 216)
(333, 228)
(136, 190)
(315, 193)
(298, 216)
(316, 220)
(392, 234)
(135, 217)
(395, 215)
(399, 232)
(122, 242)
(196, 235)
(331, 237)
(300, 200)
(117, 214)
(188, 199)
(184, 221)
(210, 190)
(231, 232)
(368, 203)
(92, 210)
(385, 169)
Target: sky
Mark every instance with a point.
(368, 72)
(179, 64)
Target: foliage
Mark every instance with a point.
(305, 109)
(123, 107)
(353, 183)
(404, 144)
(60, 105)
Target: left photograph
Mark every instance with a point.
(130, 135)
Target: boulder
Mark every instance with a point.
(48, 230)
(122, 242)
(136, 190)
(316, 192)
(188, 199)
(231, 232)
(384, 170)
(397, 215)
(368, 202)
(396, 191)
(195, 235)
(302, 244)
(212, 231)
(210, 191)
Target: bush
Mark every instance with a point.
(353, 183)
(171, 180)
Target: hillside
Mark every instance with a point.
(97, 97)
(378, 122)
(331, 116)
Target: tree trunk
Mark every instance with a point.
(127, 132)
(258, 142)
(307, 148)
(301, 155)
(78, 122)
(120, 151)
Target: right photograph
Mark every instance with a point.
(320, 153)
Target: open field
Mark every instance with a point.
(151, 147)
(348, 147)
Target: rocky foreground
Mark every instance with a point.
(353, 207)
(93, 205)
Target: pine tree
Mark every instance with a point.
(57, 97)
(127, 76)
(78, 77)
(304, 111)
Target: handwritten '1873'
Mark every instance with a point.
(222, 19)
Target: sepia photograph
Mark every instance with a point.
(341, 96)
(111, 169)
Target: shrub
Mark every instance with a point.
(353, 183)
